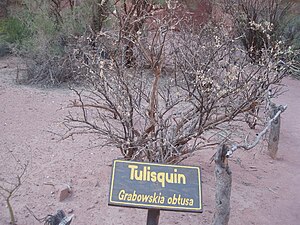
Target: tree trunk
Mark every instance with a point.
(223, 187)
(100, 13)
(4, 8)
(274, 132)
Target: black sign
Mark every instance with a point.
(152, 185)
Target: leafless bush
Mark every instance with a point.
(258, 22)
(209, 87)
(10, 183)
(49, 71)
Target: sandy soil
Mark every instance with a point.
(265, 191)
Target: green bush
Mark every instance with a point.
(290, 29)
(13, 30)
(45, 50)
(290, 32)
(37, 34)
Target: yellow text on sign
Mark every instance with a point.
(146, 174)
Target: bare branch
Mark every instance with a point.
(259, 136)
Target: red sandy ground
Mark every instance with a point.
(264, 192)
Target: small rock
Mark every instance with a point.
(91, 207)
(64, 191)
(97, 184)
(70, 210)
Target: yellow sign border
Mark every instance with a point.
(140, 205)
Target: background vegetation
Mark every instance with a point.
(43, 31)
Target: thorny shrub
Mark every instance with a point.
(199, 90)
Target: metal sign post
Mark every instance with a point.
(153, 216)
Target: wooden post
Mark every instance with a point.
(223, 187)
(153, 216)
(274, 131)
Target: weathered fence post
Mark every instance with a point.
(274, 132)
(223, 187)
